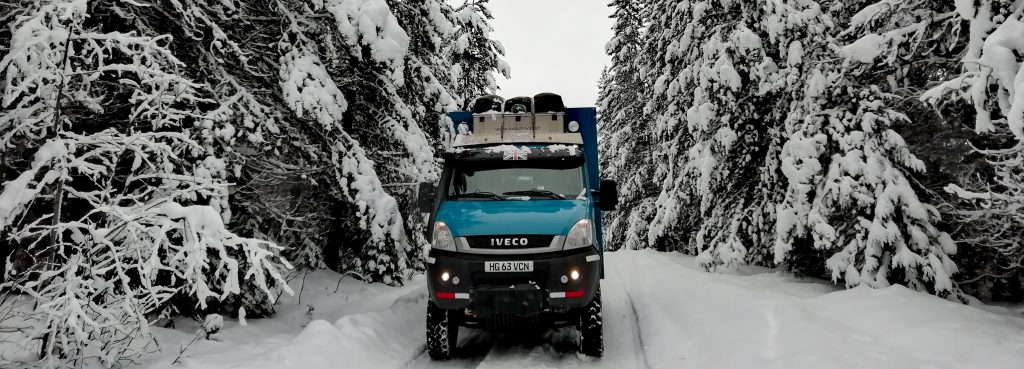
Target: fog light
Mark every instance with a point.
(445, 276)
(455, 280)
(565, 279)
(575, 275)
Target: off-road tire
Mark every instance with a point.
(591, 329)
(442, 332)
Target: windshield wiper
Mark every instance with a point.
(536, 193)
(478, 195)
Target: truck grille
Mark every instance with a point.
(509, 242)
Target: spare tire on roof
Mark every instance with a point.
(548, 103)
(488, 103)
(521, 104)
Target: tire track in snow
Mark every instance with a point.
(639, 348)
(638, 332)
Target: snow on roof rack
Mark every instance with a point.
(498, 121)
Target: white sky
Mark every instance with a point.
(553, 46)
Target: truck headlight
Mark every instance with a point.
(443, 239)
(581, 235)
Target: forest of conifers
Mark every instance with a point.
(864, 142)
(185, 158)
(188, 157)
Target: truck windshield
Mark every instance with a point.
(519, 181)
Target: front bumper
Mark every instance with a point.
(521, 294)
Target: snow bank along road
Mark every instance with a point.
(660, 312)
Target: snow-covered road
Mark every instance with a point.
(660, 312)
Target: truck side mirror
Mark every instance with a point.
(608, 199)
(425, 197)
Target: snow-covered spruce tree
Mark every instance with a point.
(404, 83)
(273, 160)
(990, 206)
(279, 158)
(917, 43)
(719, 102)
(912, 46)
(429, 87)
(774, 148)
(119, 206)
(474, 56)
(316, 95)
(666, 24)
(378, 120)
(850, 196)
(625, 135)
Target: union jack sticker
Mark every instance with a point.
(515, 153)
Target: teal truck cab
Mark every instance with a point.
(516, 223)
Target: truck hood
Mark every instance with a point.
(536, 217)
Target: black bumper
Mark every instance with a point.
(522, 294)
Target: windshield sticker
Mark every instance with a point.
(515, 153)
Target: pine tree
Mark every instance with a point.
(340, 96)
(475, 56)
(274, 160)
(625, 135)
(773, 150)
(120, 206)
(223, 124)
(715, 112)
(858, 204)
(988, 204)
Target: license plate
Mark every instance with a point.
(508, 266)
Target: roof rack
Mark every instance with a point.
(538, 119)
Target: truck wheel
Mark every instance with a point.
(590, 328)
(442, 332)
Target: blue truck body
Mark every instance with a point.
(553, 217)
(516, 225)
(587, 118)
